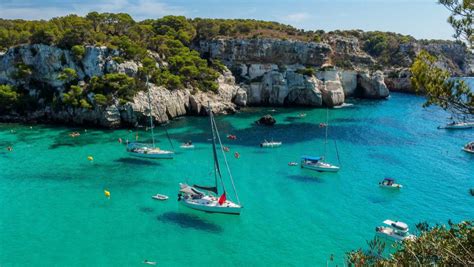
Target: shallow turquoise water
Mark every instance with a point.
(54, 211)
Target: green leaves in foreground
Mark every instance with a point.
(441, 245)
(450, 94)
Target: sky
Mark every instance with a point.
(423, 19)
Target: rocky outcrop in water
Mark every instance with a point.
(266, 120)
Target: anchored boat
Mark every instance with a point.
(397, 231)
(150, 151)
(207, 198)
(271, 144)
(318, 163)
(469, 147)
(390, 183)
(458, 125)
(160, 197)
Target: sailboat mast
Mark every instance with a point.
(150, 115)
(226, 164)
(326, 137)
(217, 170)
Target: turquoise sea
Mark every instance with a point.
(54, 212)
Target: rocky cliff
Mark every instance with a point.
(262, 72)
(281, 72)
(46, 63)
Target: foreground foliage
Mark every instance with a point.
(441, 245)
(450, 94)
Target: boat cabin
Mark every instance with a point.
(310, 159)
(399, 228)
(388, 181)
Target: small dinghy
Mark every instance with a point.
(231, 137)
(187, 145)
(160, 197)
(292, 163)
(270, 144)
(344, 105)
(469, 147)
(390, 183)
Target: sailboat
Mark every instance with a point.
(149, 150)
(318, 163)
(206, 198)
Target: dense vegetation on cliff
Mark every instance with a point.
(164, 48)
(172, 35)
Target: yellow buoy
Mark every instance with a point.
(90, 158)
(107, 193)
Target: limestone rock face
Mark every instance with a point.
(264, 51)
(399, 81)
(47, 62)
(309, 95)
(349, 82)
(373, 86)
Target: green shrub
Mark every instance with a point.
(100, 99)
(78, 51)
(119, 60)
(114, 84)
(67, 75)
(8, 97)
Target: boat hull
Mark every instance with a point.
(153, 155)
(197, 205)
(320, 168)
(468, 150)
(270, 145)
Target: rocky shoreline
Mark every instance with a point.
(260, 72)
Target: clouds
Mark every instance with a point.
(139, 9)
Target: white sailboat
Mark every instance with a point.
(206, 198)
(318, 163)
(150, 151)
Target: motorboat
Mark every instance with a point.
(271, 144)
(148, 151)
(458, 125)
(397, 231)
(317, 164)
(390, 183)
(469, 147)
(160, 197)
(207, 198)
